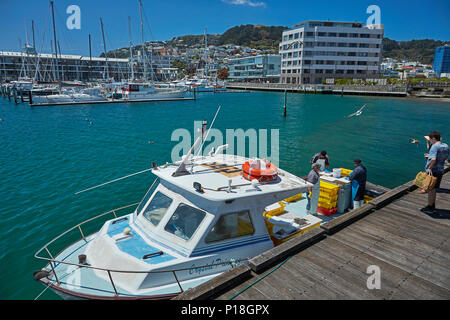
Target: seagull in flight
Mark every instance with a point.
(357, 113)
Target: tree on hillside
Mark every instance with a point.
(223, 74)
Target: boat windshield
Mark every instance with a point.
(157, 208)
(185, 221)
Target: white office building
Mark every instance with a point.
(314, 51)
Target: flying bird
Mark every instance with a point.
(357, 113)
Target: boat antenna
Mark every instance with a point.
(207, 133)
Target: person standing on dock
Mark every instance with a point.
(358, 178)
(313, 192)
(437, 156)
(322, 159)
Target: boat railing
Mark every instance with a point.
(52, 262)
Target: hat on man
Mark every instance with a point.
(357, 160)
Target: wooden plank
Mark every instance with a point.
(393, 194)
(395, 282)
(411, 210)
(278, 253)
(346, 219)
(404, 226)
(407, 259)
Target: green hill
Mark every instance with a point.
(258, 37)
(413, 50)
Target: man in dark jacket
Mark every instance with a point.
(358, 178)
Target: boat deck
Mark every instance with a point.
(410, 248)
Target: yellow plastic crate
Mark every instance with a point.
(345, 172)
(327, 205)
(294, 198)
(327, 193)
(328, 186)
(327, 198)
(367, 198)
(276, 211)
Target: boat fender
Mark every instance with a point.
(40, 274)
(126, 231)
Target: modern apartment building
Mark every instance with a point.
(314, 51)
(441, 62)
(255, 68)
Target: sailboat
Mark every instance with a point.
(144, 89)
(68, 96)
(203, 83)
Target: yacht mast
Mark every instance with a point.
(205, 68)
(131, 49)
(55, 42)
(104, 48)
(144, 56)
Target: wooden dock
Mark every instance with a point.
(410, 248)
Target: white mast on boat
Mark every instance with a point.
(205, 68)
(104, 49)
(131, 49)
(55, 43)
(144, 56)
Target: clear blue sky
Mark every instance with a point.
(402, 19)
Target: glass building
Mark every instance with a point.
(442, 60)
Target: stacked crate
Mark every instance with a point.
(345, 172)
(328, 198)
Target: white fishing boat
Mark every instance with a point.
(201, 217)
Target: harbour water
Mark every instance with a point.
(49, 153)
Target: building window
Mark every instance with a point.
(310, 34)
(285, 38)
(332, 34)
(296, 36)
(291, 36)
(343, 35)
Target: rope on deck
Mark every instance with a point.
(259, 279)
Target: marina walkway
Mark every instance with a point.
(410, 248)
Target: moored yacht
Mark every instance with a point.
(93, 94)
(148, 91)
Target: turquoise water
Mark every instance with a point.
(49, 153)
